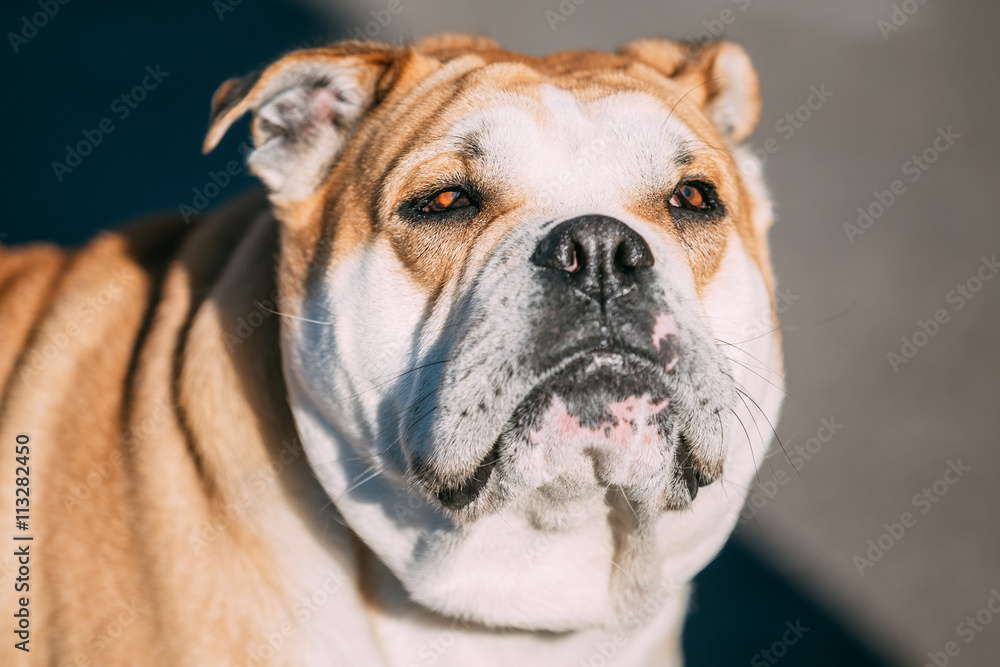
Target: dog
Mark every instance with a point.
(469, 383)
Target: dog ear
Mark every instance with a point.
(719, 76)
(305, 108)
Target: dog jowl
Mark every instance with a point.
(512, 292)
(591, 387)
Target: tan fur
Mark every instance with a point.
(464, 71)
(150, 422)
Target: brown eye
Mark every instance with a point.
(690, 196)
(446, 200)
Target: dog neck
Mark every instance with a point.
(270, 551)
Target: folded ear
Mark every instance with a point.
(305, 108)
(718, 75)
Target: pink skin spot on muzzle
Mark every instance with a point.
(635, 409)
(632, 416)
(665, 326)
(673, 362)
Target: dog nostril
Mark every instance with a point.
(601, 255)
(633, 254)
(574, 263)
(623, 259)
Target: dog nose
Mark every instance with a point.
(601, 256)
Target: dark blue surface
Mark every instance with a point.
(63, 82)
(742, 606)
(66, 78)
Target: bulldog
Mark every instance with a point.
(469, 384)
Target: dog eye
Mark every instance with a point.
(447, 200)
(693, 196)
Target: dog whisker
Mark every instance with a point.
(759, 434)
(749, 444)
(778, 387)
(743, 392)
(290, 316)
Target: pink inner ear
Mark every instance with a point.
(324, 103)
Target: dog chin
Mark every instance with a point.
(603, 424)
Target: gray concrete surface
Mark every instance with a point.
(852, 300)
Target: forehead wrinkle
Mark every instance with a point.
(379, 145)
(539, 113)
(643, 141)
(470, 147)
(524, 135)
(466, 148)
(506, 137)
(683, 157)
(562, 106)
(518, 129)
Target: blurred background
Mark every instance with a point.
(879, 531)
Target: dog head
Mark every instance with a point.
(514, 289)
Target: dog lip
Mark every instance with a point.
(456, 497)
(602, 355)
(690, 477)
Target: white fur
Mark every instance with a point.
(503, 570)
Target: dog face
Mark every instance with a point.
(514, 288)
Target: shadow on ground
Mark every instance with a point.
(742, 606)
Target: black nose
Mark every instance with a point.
(601, 256)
